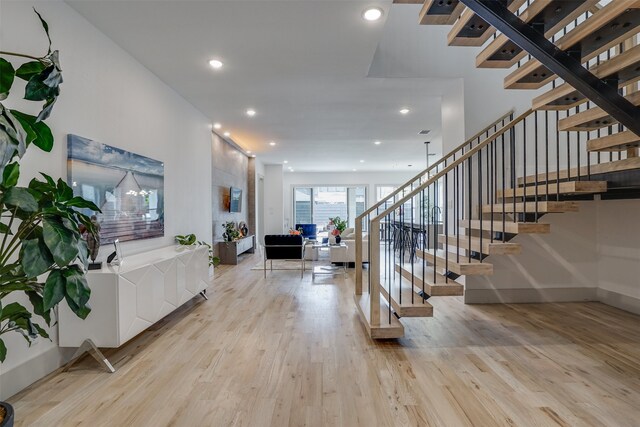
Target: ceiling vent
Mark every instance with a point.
(424, 132)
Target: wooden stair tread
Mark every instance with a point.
(530, 207)
(595, 169)
(489, 247)
(436, 12)
(570, 187)
(439, 287)
(404, 306)
(555, 14)
(593, 118)
(625, 66)
(463, 267)
(617, 142)
(509, 226)
(386, 329)
(471, 30)
(594, 37)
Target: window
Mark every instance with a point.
(315, 205)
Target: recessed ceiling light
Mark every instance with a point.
(253, 155)
(251, 112)
(377, 142)
(248, 151)
(405, 111)
(372, 14)
(216, 64)
(361, 161)
(285, 162)
(272, 143)
(354, 170)
(217, 126)
(227, 134)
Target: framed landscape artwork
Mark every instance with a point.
(127, 187)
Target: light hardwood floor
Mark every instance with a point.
(285, 351)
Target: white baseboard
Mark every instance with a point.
(32, 370)
(621, 301)
(528, 295)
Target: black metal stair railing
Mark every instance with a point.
(439, 225)
(362, 221)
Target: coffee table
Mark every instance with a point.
(329, 270)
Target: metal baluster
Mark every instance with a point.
(446, 226)
(557, 157)
(504, 185)
(513, 169)
(524, 170)
(470, 203)
(535, 145)
(546, 151)
(480, 200)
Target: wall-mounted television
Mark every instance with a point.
(235, 204)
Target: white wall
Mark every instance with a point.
(618, 249)
(274, 212)
(590, 255)
(367, 179)
(109, 97)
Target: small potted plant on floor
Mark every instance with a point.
(42, 253)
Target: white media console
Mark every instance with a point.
(127, 299)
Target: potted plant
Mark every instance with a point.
(231, 232)
(339, 225)
(42, 254)
(191, 240)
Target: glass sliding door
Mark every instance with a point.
(317, 204)
(302, 198)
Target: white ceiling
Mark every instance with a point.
(302, 65)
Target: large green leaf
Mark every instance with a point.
(14, 133)
(77, 288)
(21, 198)
(13, 312)
(35, 257)
(3, 351)
(10, 175)
(40, 330)
(38, 306)
(37, 132)
(81, 312)
(46, 110)
(7, 74)
(45, 26)
(83, 253)
(79, 202)
(65, 193)
(4, 229)
(60, 240)
(29, 69)
(54, 290)
(36, 88)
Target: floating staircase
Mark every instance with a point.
(448, 221)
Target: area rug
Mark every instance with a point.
(281, 264)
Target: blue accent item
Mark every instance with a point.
(309, 231)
